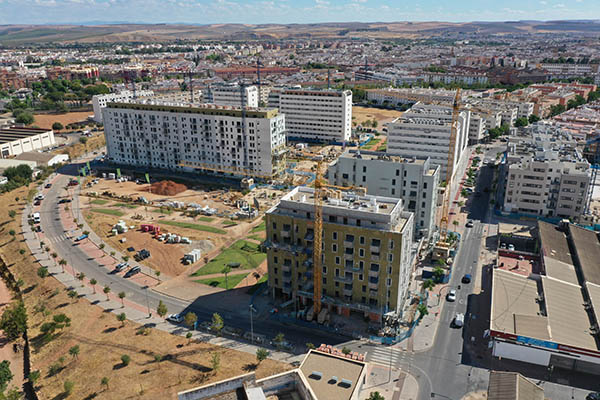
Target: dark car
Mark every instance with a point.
(48, 185)
(62, 201)
(466, 278)
(142, 255)
(593, 396)
(133, 271)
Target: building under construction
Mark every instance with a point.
(366, 252)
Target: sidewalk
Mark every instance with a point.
(397, 385)
(111, 302)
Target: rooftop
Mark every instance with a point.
(587, 248)
(332, 377)
(207, 109)
(16, 133)
(512, 386)
(554, 243)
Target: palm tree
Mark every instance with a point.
(81, 277)
(122, 297)
(62, 263)
(121, 318)
(74, 351)
(104, 382)
(106, 291)
(93, 282)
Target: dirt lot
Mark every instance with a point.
(361, 114)
(102, 341)
(46, 120)
(6, 348)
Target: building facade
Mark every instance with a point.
(424, 131)
(231, 95)
(17, 140)
(366, 257)
(316, 115)
(100, 101)
(415, 181)
(166, 136)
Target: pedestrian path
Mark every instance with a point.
(383, 355)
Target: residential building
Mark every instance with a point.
(315, 115)
(166, 135)
(415, 181)
(16, 140)
(403, 96)
(424, 131)
(547, 175)
(550, 318)
(100, 101)
(366, 257)
(564, 70)
(231, 95)
(477, 128)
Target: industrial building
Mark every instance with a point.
(312, 115)
(366, 258)
(551, 317)
(424, 131)
(547, 175)
(184, 138)
(17, 140)
(415, 181)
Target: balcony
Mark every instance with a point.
(375, 249)
(348, 244)
(374, 257)
(348, 256)
(348, 292)
(285, 234)
(343, 278)
(287, 277)
(286, 268)
(373, 274)
(353, 268)
(373, 285)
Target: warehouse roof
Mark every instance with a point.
(15, 133)
(512, 386)
(587, 248)
(554, 243)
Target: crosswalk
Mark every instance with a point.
(382, 355)
(56, 239)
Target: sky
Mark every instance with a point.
(290, 11)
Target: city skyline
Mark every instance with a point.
(284, 11)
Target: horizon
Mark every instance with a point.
(285, 12)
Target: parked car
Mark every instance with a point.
(48, 185)
(593, 396)
(80, 238)
(176, 318)
(133, 271)
(459, 320)
(451, 296)
(469, 224)
(142, 255)
(121, 266)
(62, 201)
(511, 247)
(37, 202)
(466, 278)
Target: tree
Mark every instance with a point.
(57, 126)
(72, 294)
(42, 272)
(422, 309)
(188, 336)
(215, 362)
(346, 350)
(428, 284)
(310, 346)
(121, 318)
(34, 376)
(375, 396)
(122, 297)
(101, 246)
(25, 118)
(5, 375)
(104, 382)
(161, 310)
(80, 277)
(68, 387)
(14, 321)
(62, 263)
(279, 338)
(93, 282)
(533, 119)
(12, 233)
(125, 258)
(83, 140)
(217, 323)
(262, 354)
(106, 291)
(12, 214)
(74, 351)
(125, 359)
(226, 270)
(519, 122)
(438, 274)
(190, 319)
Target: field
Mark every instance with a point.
(197, 227)
(361, 114)
(259, 228)
(102, 341)
(99, 202)
(245, 253)
(108, 211)
(232, 281)
(46, 120)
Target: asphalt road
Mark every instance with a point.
(53, 230)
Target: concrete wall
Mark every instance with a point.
(522, 353)
(214, 389)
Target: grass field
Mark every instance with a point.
(258, 238)
(164, 211)
(246, 253)
(229, 223)
(259, 228)
(197, 227)
(108, 211)
(126, 205)
(232, 281)
(99, 202)
(372, 143)
(206, 219)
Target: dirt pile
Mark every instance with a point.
(168, 188)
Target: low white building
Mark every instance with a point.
(17, 140)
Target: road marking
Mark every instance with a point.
(382, 356)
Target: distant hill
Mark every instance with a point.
(12, 35)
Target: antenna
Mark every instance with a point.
(328, 78)
(191, 86)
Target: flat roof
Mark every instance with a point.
(35, 156)
(594, 294)
(513, 297)
(332, 370)
(11, 134)
(512, 386)
(207, 109)
(587, 248)
(380, 156)
(567, 317)
(554, 243)
(515, 229)
(560, 270)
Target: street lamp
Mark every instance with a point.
(147, 302)
(252, 309)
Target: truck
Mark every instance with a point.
(80, 238)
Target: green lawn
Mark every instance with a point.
(125, 205)
(165, 211)
(258, 238)
(246, 253)
(232, 281)
(107, 211)
(255, 287)
(99, 202)
(197, 227)
(229, 223)
(372, 143)
(259, 228)
(206, 219)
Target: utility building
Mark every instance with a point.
(366, 251)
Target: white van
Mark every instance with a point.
(459, 320)
(36, 218)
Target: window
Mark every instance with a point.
(334, 248)
(324, 269)
(364, 169)
(349, 238)
(360, 277)
(374, 267)
(375, 242)
(361, 252)
(337, 272)
(274, 225)
(337, 261)
(390, 257)
(362, 240)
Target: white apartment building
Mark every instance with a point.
(565, 70)
(165, 135)
(404, 96)
(315, 115)
(477, 128)
(424, 131)
(547, 176)
(415, 181)
(231, 95)
(99, 101)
